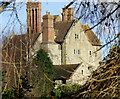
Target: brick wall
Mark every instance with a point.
(48, 28)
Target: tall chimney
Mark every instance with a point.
(48, 28)
(67, 14)
(34, 17)
(70, 14)
(64, 14)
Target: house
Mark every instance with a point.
(66, 40)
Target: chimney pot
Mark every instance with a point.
(47, 13)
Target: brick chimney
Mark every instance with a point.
(67, 14)
(64, 14)
(48, 27)
(70, 14)
(34, 17)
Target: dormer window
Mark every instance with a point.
(76, 36)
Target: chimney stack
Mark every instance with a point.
(34, 17)
(64, 14)
(67, 14)
(48, 28)
(70, 14)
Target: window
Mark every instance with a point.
(74, 51)
(78, 51)
(82, 71)
(95, 54)
(76, 36)
(90, 53)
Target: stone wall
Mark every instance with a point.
(36, 46)
(53, 50)
(77, 48)
(81, 74)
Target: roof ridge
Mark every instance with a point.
(64, 21)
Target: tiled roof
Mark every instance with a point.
(64, 71)
(61, 29)
(93, 39)
(18, 42)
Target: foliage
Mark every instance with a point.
(66, 90)
(57, 93)
(42, 65)
(105, 80)
(44, 62)
(103, 84)
(18, 91)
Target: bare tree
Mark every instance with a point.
(103, 18)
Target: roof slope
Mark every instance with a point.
(61, 29)
(18, 45)
(93, 39)
(64, 71)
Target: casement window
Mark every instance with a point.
(76, 36)
(90, 53)
(76, 51)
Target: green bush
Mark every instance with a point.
(65, 90)
(16, 91)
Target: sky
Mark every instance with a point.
(13, 25)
